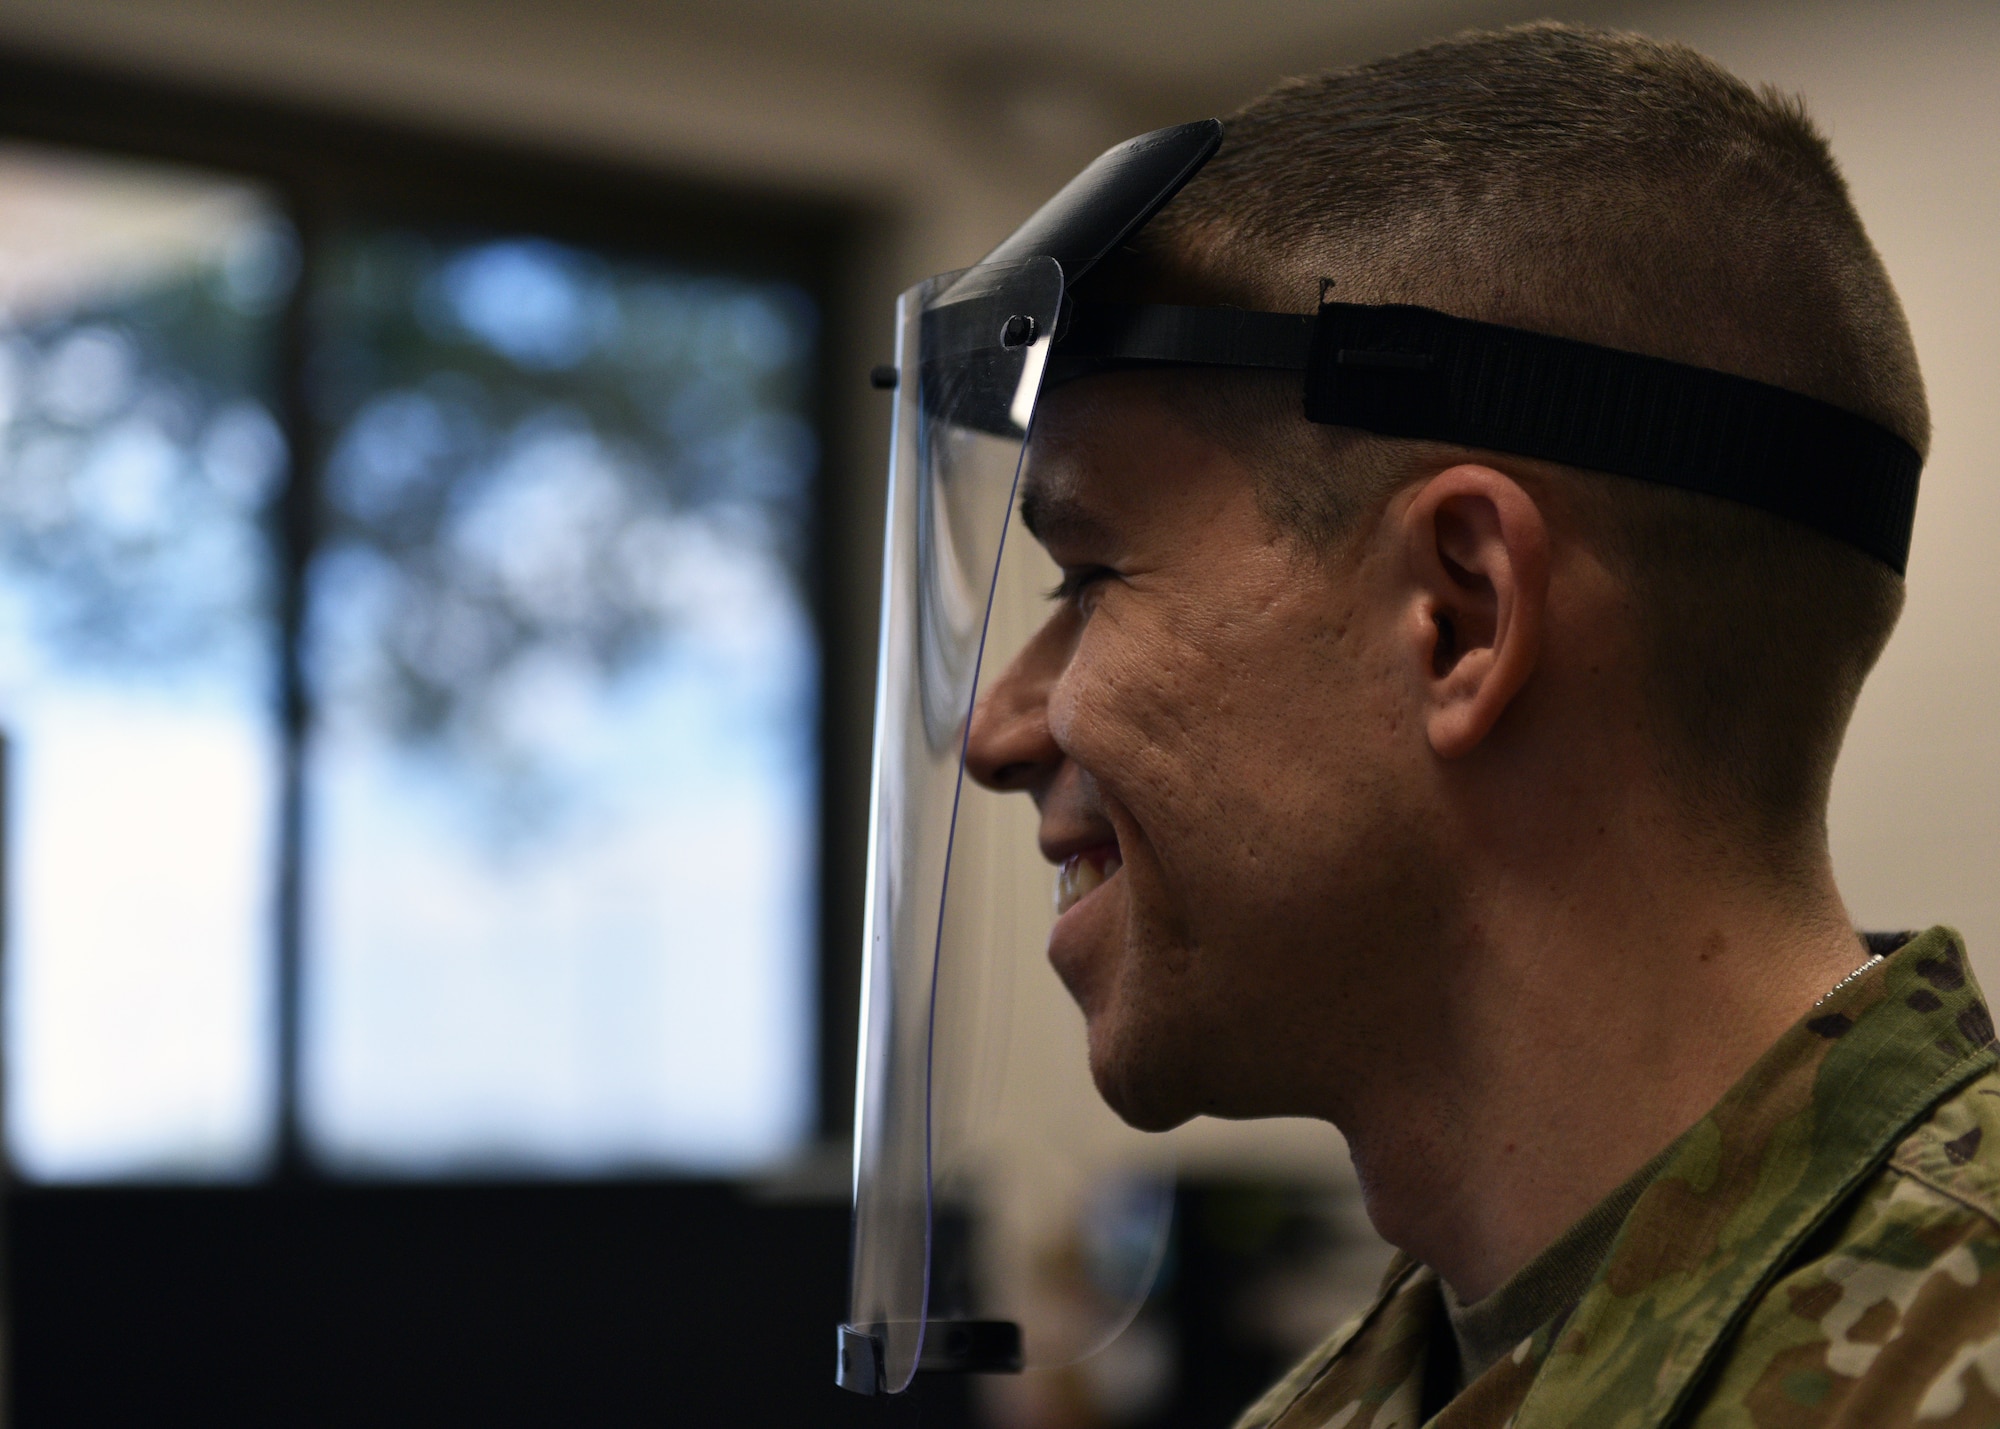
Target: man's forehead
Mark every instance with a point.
(1070, 489)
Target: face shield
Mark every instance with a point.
(1003, 1216)
(968, 1206)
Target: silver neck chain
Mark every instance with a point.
(1873, 959)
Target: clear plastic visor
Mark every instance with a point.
(1003, 1215)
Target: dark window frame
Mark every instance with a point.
(327, 167)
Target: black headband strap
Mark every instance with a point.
(1095, 335)
(1412, 372)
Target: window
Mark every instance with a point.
(560, 872)
(410, 665)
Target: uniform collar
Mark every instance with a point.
(1817, 1114)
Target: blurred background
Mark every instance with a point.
(439, 535)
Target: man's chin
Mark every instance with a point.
(1143, 1099)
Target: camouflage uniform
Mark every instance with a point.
(1822, 1249)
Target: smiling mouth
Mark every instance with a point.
(1082, 873)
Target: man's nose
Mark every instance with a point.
(1008, 746)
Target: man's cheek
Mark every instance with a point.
(1116, 707)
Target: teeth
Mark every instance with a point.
(1079, 875)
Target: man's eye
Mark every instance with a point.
(1077, 580)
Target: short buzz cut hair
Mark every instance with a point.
(1614, 189)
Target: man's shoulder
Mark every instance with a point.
(1891, 1313)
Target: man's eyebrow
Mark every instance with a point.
(1054, 516)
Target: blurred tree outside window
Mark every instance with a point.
(557, 831)
(562, 894)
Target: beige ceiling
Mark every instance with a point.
(1150, 54)
(1175, 44)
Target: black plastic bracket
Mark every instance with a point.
(950, 1347)
(859, 1366)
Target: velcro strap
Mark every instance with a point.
(1412, 372)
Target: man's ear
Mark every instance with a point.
(1477, 548)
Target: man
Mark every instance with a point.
(1476, 804)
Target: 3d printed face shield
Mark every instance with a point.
(1002, 1215)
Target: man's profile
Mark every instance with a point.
(1476, 803)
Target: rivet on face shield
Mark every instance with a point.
(1017, 331)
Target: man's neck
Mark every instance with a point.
(1581, 1033)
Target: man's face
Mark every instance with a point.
(1210, 725)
